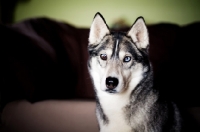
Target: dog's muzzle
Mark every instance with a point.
(111, 84)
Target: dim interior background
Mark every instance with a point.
(116, 12)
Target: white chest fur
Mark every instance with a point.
(113, 106)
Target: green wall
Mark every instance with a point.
(81, 12)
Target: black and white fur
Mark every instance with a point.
(123, 80)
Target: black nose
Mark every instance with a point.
(111, 82)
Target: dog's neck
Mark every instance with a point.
(111, 109)
(115, 108)
(140, 89)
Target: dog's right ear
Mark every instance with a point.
(139, 33)
(98, 29)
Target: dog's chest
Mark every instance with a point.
(117, 123)
(114, 108)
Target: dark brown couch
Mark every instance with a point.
(45, 85)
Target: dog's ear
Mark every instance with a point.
(139, 33)
(98, 29)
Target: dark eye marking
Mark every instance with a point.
(103, 56)
(127, 59)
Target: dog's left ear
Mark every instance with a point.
(139, 33)
(98, 29)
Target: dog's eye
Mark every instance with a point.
(103, 56)
(127, 59)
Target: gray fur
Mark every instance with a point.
(145, 110)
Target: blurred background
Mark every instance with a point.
(116, 12)
(31, 56)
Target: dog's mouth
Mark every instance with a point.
(111, 91)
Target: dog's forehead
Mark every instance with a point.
(119, 39)
(121, 42)
(126, 44)
(109, 41)
(117, 42)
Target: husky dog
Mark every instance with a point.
(126, 100)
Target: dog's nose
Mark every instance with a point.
(111, 82)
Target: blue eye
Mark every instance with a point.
(127, 59)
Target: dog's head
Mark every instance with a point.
(118, 61)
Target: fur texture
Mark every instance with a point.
(123, 80)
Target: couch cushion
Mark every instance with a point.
(41, 60)
(50, 116)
